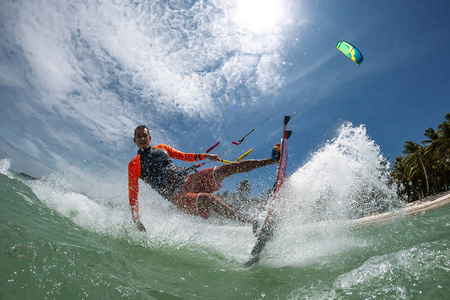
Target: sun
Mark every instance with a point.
(259, 16)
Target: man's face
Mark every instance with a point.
(142, 138)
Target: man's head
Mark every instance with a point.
(142, 137)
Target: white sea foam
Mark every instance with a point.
(5, 164)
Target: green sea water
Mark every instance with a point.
(58, 244)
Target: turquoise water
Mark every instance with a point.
(61, 244)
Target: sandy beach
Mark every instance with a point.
(419, 206)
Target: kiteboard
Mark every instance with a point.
(268, 227)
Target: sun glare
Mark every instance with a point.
(259, 16)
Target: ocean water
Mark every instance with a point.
(68, 236)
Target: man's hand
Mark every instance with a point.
(140, 226)
(276, 153)
(213, 157)
(277, 147)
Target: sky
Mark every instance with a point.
(76, 77)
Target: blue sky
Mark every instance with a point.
(77, 77)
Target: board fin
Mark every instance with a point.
(286, 120)
(289, 133)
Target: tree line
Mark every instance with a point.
(241, 198)
(424, 169)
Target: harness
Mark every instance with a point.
(159, 171)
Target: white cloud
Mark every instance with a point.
(93, 70)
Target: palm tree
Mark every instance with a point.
(425, 165)
(404, 175)
(244, 189)
(415, 153)
(431, 134)
(443, 139)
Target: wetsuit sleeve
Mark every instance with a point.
(134, 171)
(188, 157)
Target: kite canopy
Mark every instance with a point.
(351, 51)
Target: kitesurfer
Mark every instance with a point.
(190, 193)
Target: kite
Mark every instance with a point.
(351, 51)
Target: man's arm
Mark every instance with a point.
(188, 157)
(134, 171)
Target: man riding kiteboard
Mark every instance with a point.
(190, 193)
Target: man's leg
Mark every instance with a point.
(226, 170)
(209, 180)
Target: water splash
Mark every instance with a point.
(5, 164)
(346, 179)
(100, 205)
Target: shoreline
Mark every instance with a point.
(422, 205)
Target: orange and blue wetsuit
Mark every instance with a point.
(155, 167)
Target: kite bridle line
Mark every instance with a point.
(252, 130)
(196, 166)
(292, 119)
(267, 138)
(242, 123)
